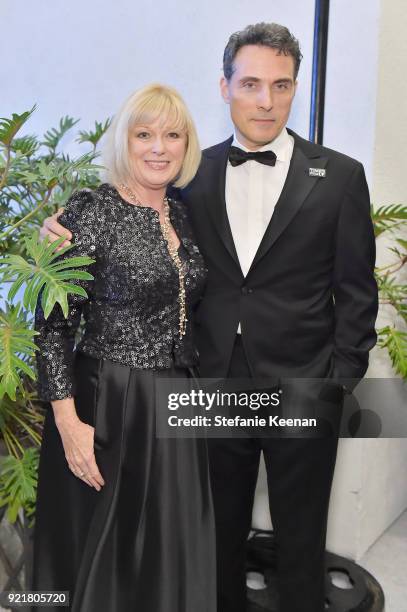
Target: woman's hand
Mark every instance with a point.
(54, 230)
(78, 441)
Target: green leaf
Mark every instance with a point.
(56, 171)
(26, 146)
(23, 366)
(396, 343)
(9, 381)
(16, 346)
(16, 287)
(394, 293)
(36, 179)
(96, 135)
(45, 270)
(391, 289)
(77, 274)
(387, 218)
(72, 262)
(20, 422)
(402, 242)
(18, 481)
(10, 127)
(53, 137)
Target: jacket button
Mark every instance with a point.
(244, 290)
(250, 291)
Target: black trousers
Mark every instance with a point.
(299, 475)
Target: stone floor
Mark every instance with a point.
(387, 561)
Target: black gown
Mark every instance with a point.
(145, 542)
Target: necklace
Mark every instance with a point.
(173, 251)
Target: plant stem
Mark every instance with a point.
(396, 265)
(30, 214)
(11, 442)
(30, 431)
(400, 265)
(6, 168)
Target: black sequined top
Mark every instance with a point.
(132, 310)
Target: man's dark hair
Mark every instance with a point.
(263, 34)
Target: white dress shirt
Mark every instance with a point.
(252, 191)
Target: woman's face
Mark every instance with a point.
(156, 153)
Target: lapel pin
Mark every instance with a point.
(320, 172)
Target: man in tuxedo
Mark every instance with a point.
(284, 226)
(285, 229)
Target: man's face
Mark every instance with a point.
(260, 93)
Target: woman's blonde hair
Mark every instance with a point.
(144, 106)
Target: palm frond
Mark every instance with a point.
(388, 217)
(395, 341)
(390, 289)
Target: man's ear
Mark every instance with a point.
(224, 89)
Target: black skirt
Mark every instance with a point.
(146, 541)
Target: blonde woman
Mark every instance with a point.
(124, 519)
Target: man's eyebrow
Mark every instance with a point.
(249, 78)
(257, 80)
(284, 80)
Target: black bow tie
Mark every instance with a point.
(238, 156)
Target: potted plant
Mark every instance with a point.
(36, 178)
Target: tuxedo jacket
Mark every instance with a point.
(308, 304)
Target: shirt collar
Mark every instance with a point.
(280, 145)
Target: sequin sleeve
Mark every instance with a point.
(56, 341)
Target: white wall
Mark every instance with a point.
(389, 183)
(351, 83)
(83, 58)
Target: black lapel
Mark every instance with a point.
(297, 187)
(212, 179)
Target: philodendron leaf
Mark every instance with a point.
(18, 481)
(16, 345)
(44, 270)
(10, 127)
(27, 145)
(55, 171)
(94, 136)
(53, 136)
